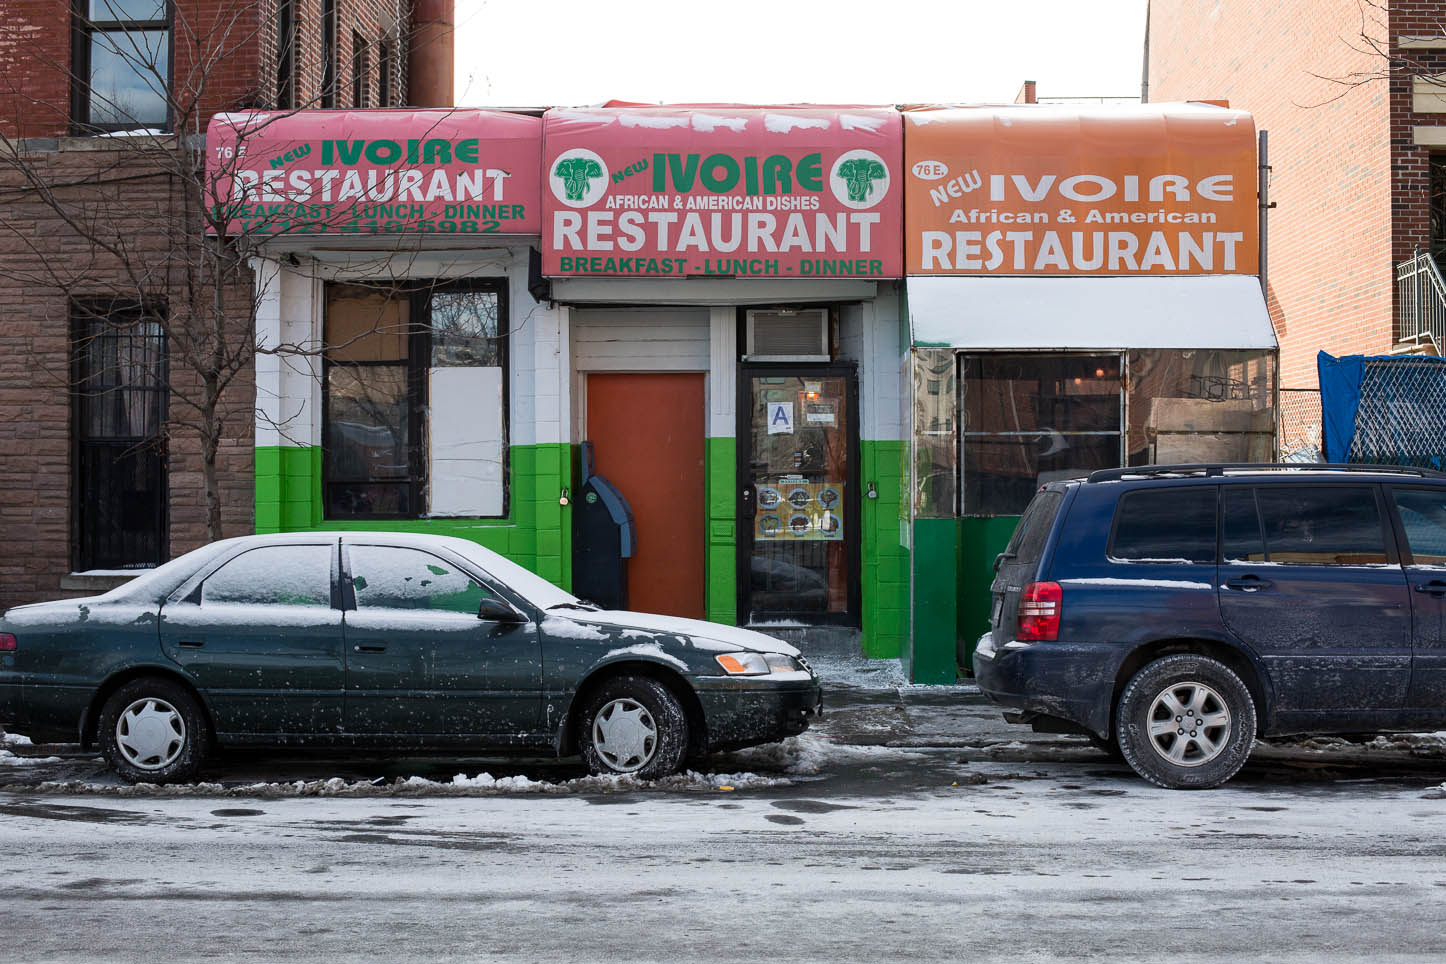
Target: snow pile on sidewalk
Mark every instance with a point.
(796, 759)
(8, 759)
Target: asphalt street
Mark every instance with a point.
(912, 822)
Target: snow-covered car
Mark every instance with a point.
(384, 640)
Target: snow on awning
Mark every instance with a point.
(1219, 311)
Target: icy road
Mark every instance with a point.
(910, 825)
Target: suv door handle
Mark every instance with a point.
(1248, 583)
(369, 648)
(1435, 587)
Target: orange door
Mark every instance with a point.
(648, 436)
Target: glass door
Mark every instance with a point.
(798, 508)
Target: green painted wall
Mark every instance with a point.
(980, 540)
(885, 577)
(721, 560)
(537, 532)
(936, 588)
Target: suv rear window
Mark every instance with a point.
(1027, 544)
(1165, 525)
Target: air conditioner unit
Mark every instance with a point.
(793, 336)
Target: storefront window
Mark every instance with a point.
(936, 445)
(1029, 419)
(415, 402)
(1200, 406)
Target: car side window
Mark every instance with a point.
(273, 576)
(1175, 524)
(393, 577)
(1423, 516)
(1321, 525)
(1240, 536)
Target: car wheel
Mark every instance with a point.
(153, 731)
(1185, 722)
(633, 725)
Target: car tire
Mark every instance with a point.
(633, 725)
(1168, 751)
(153, 730)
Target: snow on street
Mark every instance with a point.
(910, 823)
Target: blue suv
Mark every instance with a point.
(1178, 612)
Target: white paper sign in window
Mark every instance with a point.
(466, 433)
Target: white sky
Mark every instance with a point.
(528, 53)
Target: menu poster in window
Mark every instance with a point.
(800, 511)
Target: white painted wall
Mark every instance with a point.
(870, 334)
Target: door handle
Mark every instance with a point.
(1248, 583)
(1435, 587)
(369, 648)
(191, 643)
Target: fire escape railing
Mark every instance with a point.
(1420, 300)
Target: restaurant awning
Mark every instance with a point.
(1215, 311)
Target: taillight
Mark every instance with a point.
(8, 643)
(1039, 608)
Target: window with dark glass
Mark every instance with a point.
(1423, 516)
(120, 398)
(1166, 525)
(360, 68)
(1321, 525)
(1438, 207)
(286, 46)
(393, 577)
(385, 67)
(415, 401)
(328, 53)
(122, 76)
(1241, 538)
(1032, 419)
(273, 576)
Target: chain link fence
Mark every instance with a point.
(1401, 417)
(1300, 425)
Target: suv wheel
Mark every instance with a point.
(1185, 722)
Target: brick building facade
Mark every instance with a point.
(1342, 86)
(98, 238)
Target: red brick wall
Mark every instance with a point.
(45, 265)
(1410, 196)
(224, 58)
(1330, 267)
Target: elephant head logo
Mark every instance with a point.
(859, 179)
(578, 177)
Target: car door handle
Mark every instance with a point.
(1435, 587)
(1248, 583)
(369, 648)
(191, 643)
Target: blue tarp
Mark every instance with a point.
(1340, 396)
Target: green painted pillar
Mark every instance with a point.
(935, 601)
(721, 562)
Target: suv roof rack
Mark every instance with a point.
(1217, 469)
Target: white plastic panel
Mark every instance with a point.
(1089, 313)
(466, 442)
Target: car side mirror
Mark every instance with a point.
(998, 561)
(497, 611)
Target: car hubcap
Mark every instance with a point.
(624, 735)
(150, 734)
(1189, 724)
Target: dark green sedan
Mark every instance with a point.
(384, 641)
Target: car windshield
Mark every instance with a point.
(533, 587)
